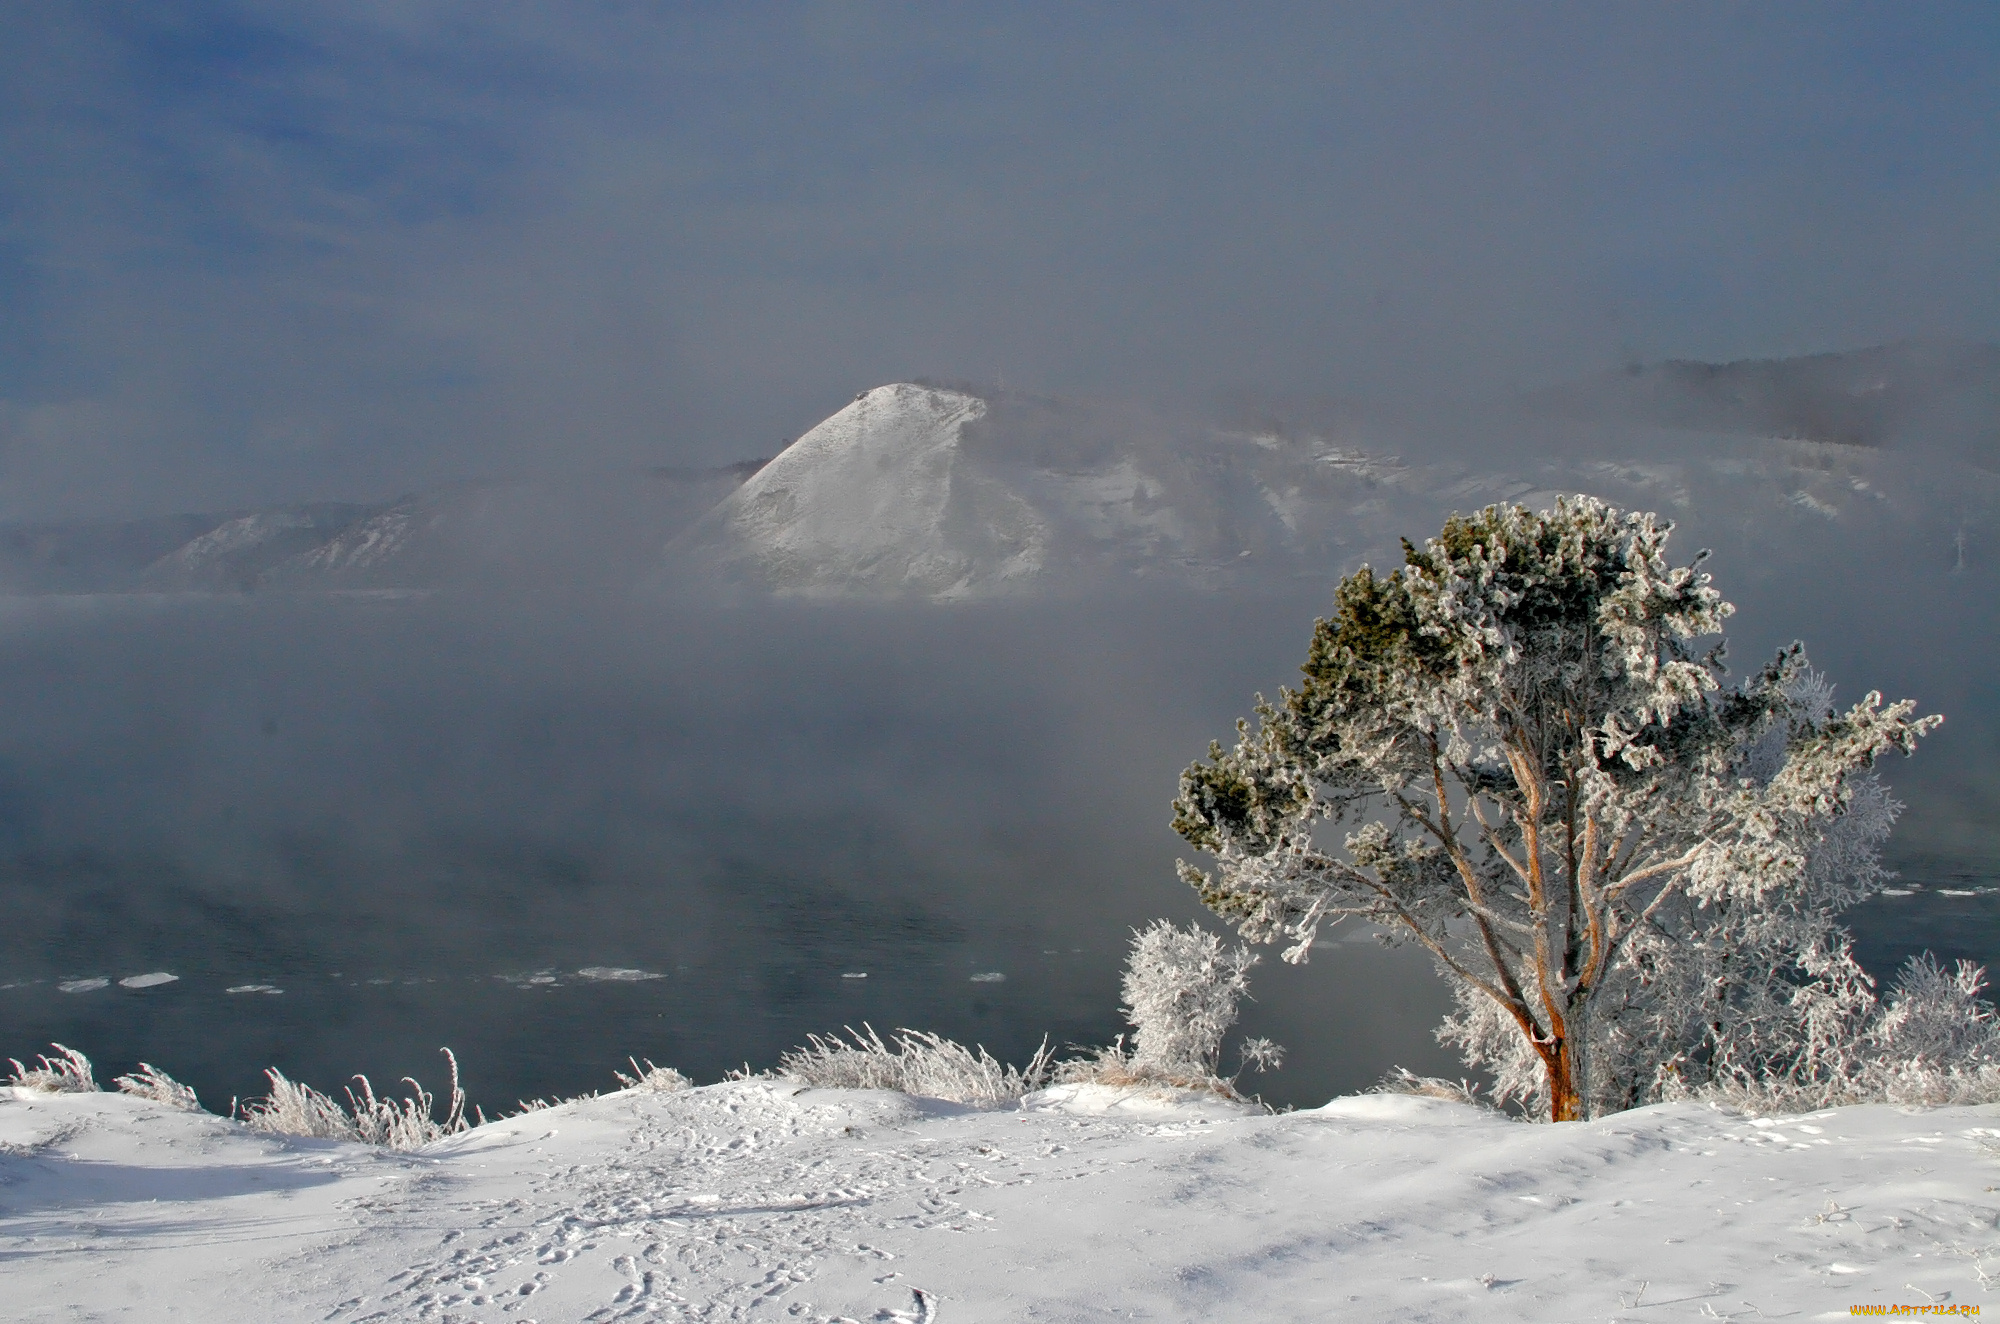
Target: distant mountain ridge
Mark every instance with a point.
(1868, 397)
(949, 494)
(953, 493)
(600, 531)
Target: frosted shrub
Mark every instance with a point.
(1925, 1085)
(1181, 989)
(918, 1063)
(1937, 1016)
(149, 1082)
(294, 1109)
(1932, 1042)
(68, 1072)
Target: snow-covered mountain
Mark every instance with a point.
(240, 552)
(600, 531)
(943, 493)
(948, 493)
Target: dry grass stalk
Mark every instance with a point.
(149, 1082)
(68, 1072)
(918, 1062)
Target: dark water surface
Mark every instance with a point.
(552, 834)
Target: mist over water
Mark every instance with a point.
(421, 819)
(553, 831)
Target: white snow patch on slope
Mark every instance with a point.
(228, 538)
(372, 542)
(873, 497)
(759, 1200)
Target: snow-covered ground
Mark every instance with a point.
(760, 1200)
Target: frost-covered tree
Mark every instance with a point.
(1629, 872)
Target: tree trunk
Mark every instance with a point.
(1565, 1100)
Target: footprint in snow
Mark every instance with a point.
(923, 1310)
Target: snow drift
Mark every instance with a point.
(760, 1200)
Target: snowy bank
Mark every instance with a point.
(759, 1200)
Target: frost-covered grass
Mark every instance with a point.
(1402, 1080)
(410, 1122)
(149, 1082)
(68, 1072)
(1119, 1067)
(291, 1108)
(916, 1062)
(1907, 1083)
(1181, 991)
(665, 1080)
(658, 1079)
(295, 1109)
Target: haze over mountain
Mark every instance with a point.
(1941, 394)
(591, 532)
(952, 492)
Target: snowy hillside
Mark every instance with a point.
(945, 494)
(601, 531)
(939, 493)
(240, 552)
(953, 493)
(761, 1200)
(589, 531)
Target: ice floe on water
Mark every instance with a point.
(151, 979)
(854, 974)
(989, 977)
(253, 988)
(590, 974)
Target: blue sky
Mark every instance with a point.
(254, 252)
